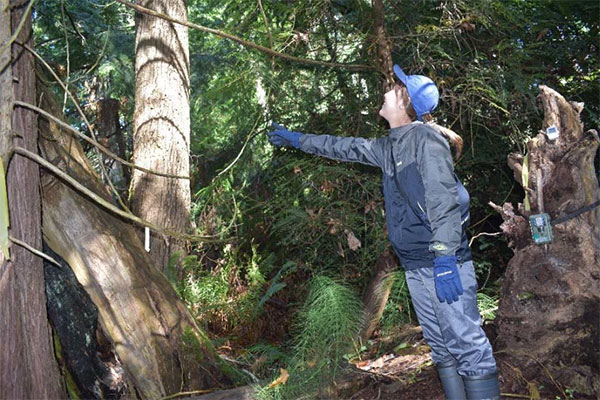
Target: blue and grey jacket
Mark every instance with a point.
(426, 206)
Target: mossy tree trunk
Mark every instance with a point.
(28, 368)
(548, 317)
(161, 124)
(153, 333)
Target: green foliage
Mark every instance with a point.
(219, 297)
(284, 215)
(488, 306)
(330, 318)
(326, 325)
(197, 346)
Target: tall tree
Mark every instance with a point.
(162, 124)
(27, 365)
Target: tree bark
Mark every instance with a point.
(153, 333)
(28, 368)
(161, 125)
(378, 292)
(109, 129)
(385, 64)
(548, 317)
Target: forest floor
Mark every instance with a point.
(397, 367)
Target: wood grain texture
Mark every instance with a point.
(161, 125)
(137, 306)
(28, 368)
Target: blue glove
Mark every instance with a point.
(447, 281)
(282, 137)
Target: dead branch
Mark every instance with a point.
(80, 111)
(107, 205)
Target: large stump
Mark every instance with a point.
(548, 317)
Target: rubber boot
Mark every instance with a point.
(484, 387)
(452, 382)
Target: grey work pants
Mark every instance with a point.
(453, 331)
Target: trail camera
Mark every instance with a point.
(541, 230)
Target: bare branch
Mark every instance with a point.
(34, 251)
(107, 205)
(484, 233)
(93, 142)
(80, 111)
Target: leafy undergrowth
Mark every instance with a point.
(397, 366)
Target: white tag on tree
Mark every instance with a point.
(147, 239)
(552, 132)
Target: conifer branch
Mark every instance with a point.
(245, 43)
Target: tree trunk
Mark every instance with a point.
(384, 51)
(93, 368)
(161, 124)
(548, 317)
(28, 368)
(378, 292)
(153, 333)
(111, 136)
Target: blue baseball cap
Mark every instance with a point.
(424, 95)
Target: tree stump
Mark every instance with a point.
(548, 317)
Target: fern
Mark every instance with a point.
(325, 327)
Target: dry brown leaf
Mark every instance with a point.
(312, 214)
(297, 170)
(283, 377)
(353, 242)
(467, 26)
